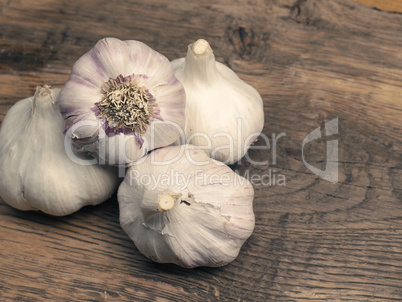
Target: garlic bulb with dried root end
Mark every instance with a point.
(121, 101)
(180, 206)
(223, 113)
(36, 172)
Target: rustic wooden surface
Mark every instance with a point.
(386, 5)
(312, 61)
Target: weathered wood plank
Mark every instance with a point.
(312, 61)
(386, 5)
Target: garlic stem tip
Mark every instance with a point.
(201, 47)
(44, 91)
(165, 202)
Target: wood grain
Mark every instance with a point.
(386, 5)
(312, 61)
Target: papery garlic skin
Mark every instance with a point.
(180, 206)
(121, 101)
(223, 113)
(36, 173)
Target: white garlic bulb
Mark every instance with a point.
(36, 172)
(223, 113)
(180, 206)
(121, 101)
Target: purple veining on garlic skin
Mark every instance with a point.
(173, 81)
(78, 79)
(72, 112)
(157, 114)
(94, 56)
(99, 74)
(73, 119)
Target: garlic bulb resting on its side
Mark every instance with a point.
(223, 113)
(36, 172)
(121, 101)
(180, 206)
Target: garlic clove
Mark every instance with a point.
(179, 206)
(131, 93)
(223, 113)
(37, 173)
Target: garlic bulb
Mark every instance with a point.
(180, 206)
(36, 172)
(223, 113)
(121, 101)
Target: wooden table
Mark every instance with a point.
(312, 61)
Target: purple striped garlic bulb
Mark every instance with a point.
(180, 206)
(121, 101)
